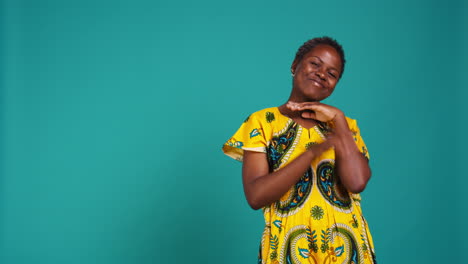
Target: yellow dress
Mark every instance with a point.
(312, 222)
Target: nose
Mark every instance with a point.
(320, 74)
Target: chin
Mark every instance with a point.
(316, 98)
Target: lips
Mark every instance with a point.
(319, 83)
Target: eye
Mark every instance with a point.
(332, 74)
(314, 63)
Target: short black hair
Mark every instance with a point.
(312, 43)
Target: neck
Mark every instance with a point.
(300, 99)
(284, 110)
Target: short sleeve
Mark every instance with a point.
(357, 138)
(250, 136)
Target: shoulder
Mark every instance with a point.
(266, 115)
(353, 126)
(351, 122)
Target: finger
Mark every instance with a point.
(309, 115)
(313, 107)
(306, 104)
(292, 105)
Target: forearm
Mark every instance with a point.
(351, 166)
(269, 187)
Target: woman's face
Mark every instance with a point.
(316, 75)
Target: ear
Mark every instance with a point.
(294, 66)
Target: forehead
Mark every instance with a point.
(327, 54)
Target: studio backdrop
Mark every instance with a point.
(113, 114)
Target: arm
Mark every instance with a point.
(263, 187)
(351, 166)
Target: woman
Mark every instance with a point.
(305, 164)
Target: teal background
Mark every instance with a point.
(114, 112)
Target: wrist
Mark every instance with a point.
(339, 117)
(340, 123)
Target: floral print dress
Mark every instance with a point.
(313, 222)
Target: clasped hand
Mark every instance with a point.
(316, 110)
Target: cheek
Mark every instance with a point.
(331, 87)
(305, 67)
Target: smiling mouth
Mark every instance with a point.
(317, 82)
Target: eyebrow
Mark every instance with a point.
(332, 68)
